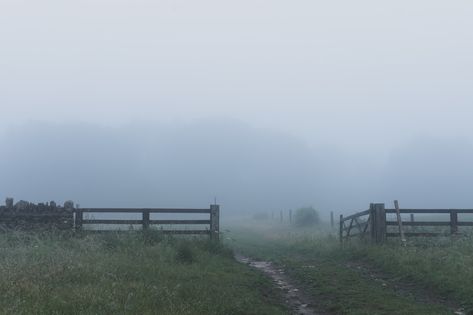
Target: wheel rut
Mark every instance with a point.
(294, 297)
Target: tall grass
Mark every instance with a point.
(445, 264)
(125, 273)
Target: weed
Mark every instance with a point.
(152, 236)
(184, 253)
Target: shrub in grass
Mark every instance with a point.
(151, 236)
(306, 217)
(112, 241)
(184, 253)
(217, 248)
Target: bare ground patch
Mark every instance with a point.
(294, 297)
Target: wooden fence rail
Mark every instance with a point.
(373, 224)
(212, 222)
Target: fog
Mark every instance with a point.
(246, 168)
(264, 105)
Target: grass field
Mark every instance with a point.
(146, 273)
(127, 273)
(444, 264)
(425, 277)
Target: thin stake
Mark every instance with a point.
(399, 221)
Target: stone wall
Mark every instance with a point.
(25, 215)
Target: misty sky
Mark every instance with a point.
(377, 96)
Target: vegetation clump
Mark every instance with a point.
(152, 236)
(307, 216)
(184, 253)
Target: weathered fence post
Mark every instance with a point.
(214, 222)
(399, 221)
(372, 222)
(145, 219)
(341, 229)
(453, 222)
(412, 217)
(378, 223)
(290, 216)
(332, 222)
(78, 220)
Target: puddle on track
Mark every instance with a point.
(294, 298)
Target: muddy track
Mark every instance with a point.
(297, 301)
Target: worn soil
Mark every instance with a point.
(296, 300)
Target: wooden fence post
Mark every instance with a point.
(145, 219)
(290, 216)
(372, 223)
(214, 222)
(453, 221)
(399, 221)
(78, 220)
(341, 229)
(378, 223)
(332, 223)
(412, 217)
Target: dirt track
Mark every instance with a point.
(295, 298)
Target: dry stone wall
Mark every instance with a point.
(25, 215)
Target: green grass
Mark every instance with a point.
(145, 273)
(326, 272)
(443, 263)
(126, 273)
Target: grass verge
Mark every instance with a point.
(126, 273)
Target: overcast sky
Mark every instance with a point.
(353, 76)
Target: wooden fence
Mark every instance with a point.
(212, 223)
(373, 224)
